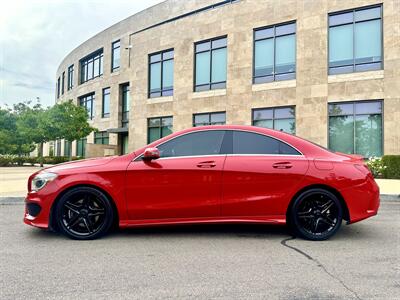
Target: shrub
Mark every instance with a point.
(392, 164)
(19, 160)
(6, 160)
(376, 166)
(32, 160)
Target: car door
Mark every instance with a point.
(185, 182)
(260, 175)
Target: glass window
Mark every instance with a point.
(91, 66)
(101, 137)
(115, 55)
(81, 147)
(58, 87)
(87, 102)
(280, 118)
(196, 143)
(106, 103)
(125, 103)
(58, 147)
(356, 127)
(253, 143)
(161, 67)
(67, 148)
(210, 64)
(275, 53)
(355, 40)
(62, 83)
(70, 77)
(217, 118)
(158, 128)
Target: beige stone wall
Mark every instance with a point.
(310, 92)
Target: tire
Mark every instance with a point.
(316, 215)
(84, 213)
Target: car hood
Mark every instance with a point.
(84, 163)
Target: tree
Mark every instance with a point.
(7, 131)
(31, 126)
(68, 121)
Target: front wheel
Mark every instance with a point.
(316, 215)
(84, 213)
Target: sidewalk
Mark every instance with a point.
(13, 183)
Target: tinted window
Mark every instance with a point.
(197, 143)
(253, 143)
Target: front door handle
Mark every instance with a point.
(206, 164)
(282, 165)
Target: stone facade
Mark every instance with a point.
(310, 92)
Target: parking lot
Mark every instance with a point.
(212, 261)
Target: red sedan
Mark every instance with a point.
(209, 174)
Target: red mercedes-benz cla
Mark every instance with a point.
(209, 174)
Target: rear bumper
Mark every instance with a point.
(362, 200)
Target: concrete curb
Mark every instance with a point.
(20, 200)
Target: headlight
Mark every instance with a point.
(40, 180)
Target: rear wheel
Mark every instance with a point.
(84, 213)
(316, 214)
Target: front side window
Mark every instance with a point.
(101, 137)
(355, 40)
(158, 128)
(87, 102)
(356, 127)
(70, 77)
(125, 104)
(92, 66)
(81, 147)
(193, 144)
(280, 118)
(274, 53)
(106, 103)
(161, 74)
(217, 118)
(115, 55)
(254, 143)
(210, 64)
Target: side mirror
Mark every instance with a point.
(151, 153)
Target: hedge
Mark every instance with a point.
(392, 163)
(12, 160)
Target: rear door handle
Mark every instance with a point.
(206, 164)
(282, 165)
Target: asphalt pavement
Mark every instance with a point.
(205, 262)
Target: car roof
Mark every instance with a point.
(304, 146)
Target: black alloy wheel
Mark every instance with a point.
(84, 213)
(316, 214)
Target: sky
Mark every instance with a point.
(35, 36)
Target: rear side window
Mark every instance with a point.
(196, 143)
(253, 143)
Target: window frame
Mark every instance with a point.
(114, 48)
(106, 91)
(159, 127)
(210, 83)
(163, 91)
(70, 80)
(91, 58)
(100, 137)
(354, 102)
(124, 88)
(273, 116)
(209, 118)
(84, 99)
(354, 65)
(58, 87)
(223, 145)
(274, 74)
